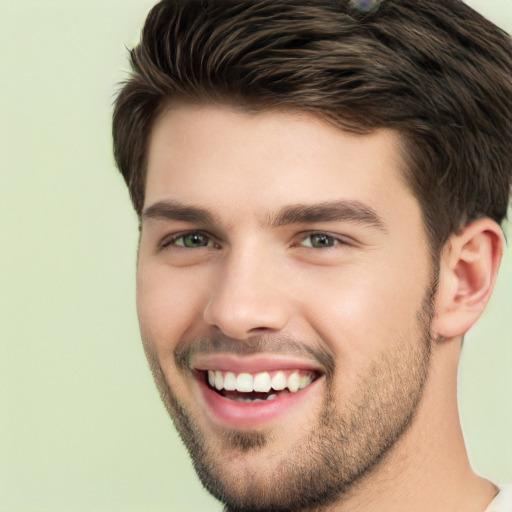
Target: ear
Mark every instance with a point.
(469, 265)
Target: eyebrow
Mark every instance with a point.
(174, 210)
(331, 211)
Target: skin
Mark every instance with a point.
(364, 302)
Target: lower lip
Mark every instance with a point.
(253, 414)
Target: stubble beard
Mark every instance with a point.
(335, 455)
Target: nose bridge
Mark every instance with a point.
(248, 297)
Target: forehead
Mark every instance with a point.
(230, 161)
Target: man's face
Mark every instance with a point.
(284, 297)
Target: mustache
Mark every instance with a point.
(265, 343)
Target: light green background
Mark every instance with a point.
(81, 425)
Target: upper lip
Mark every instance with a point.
(252, 364)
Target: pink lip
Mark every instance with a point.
(229, 413)
(251, 364)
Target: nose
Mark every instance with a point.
(248, 298)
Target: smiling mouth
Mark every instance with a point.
(247, 387)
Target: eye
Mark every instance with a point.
(320, 241)
(193, 240)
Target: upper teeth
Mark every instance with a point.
(261, 382)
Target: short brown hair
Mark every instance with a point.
(435, 71)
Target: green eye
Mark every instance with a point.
(193, 241)
(319, 241)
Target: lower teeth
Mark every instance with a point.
(252, 400)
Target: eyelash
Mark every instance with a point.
(331, 239)
(172, 241)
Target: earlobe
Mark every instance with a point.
(469, 266)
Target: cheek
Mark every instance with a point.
(362, 312)
(168, 304)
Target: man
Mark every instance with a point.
(320, 188)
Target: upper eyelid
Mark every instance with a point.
(171, 238)
(344, 239)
